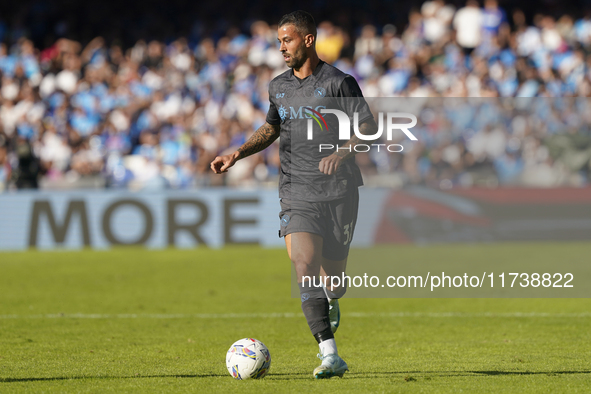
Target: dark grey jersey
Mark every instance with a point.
(293, 102)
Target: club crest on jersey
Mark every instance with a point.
(282, 112)
(319, 92)
(285, 220)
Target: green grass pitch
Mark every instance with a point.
(135, 320)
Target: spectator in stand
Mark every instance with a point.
(494, 19)
(468, 23)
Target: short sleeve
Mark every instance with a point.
(350, 88)
(273, 115)
(352, 99)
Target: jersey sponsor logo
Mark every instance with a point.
(319, 92)
(282, 113)
(280, 95)
(299, 113)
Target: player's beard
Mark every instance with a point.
(297, 59)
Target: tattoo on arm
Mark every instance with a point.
(369, 127)
(260, 140)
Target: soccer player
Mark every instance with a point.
(317, 187)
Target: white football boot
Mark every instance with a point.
(332, 365)
(334, 314)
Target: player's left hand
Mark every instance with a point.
(329, 164)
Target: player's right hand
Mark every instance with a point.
(221, 164)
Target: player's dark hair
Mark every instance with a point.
(302, 20)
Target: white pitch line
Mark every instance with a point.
(286, 315)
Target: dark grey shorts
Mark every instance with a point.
(333, 220)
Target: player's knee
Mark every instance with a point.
(303, 260)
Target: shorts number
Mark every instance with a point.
(348, 233)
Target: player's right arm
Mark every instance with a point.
(261, 139)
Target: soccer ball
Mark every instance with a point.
(248, 358)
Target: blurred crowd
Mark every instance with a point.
(154, 115)
(517, 141)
